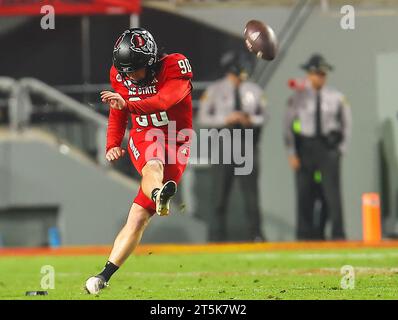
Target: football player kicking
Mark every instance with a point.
(156, 91)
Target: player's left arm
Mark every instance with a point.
(176, 88)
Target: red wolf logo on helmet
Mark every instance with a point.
(143, 42)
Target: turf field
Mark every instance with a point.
(274, 274)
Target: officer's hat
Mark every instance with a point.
(317, 63)
(236, 63)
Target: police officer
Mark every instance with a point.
(316, 131)
(234, 103)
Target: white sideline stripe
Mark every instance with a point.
(319, 256)
(265, 272)
(375, 270)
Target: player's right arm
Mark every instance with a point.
(117, 121)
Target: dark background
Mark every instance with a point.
(55, 56)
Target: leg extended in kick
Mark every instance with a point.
(130, 235)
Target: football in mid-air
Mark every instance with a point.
(261, 40)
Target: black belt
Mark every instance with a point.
(332, 140)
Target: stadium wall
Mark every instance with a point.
(355, 55)
(91, 203)
(361, 58)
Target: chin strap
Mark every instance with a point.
(144, 82)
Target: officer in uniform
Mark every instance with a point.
(234, 103)
(317, 128)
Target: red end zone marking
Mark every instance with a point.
(146, 249)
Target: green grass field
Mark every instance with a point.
(305, 274)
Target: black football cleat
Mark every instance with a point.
(164, 196)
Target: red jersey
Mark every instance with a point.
(167, 98)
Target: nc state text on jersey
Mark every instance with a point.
(142, 90)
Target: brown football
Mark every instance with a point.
(261, 40)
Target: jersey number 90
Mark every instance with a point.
(185, 66)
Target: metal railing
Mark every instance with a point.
(6, 84)
(80, 124)
(21, 107)
(96, 88)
